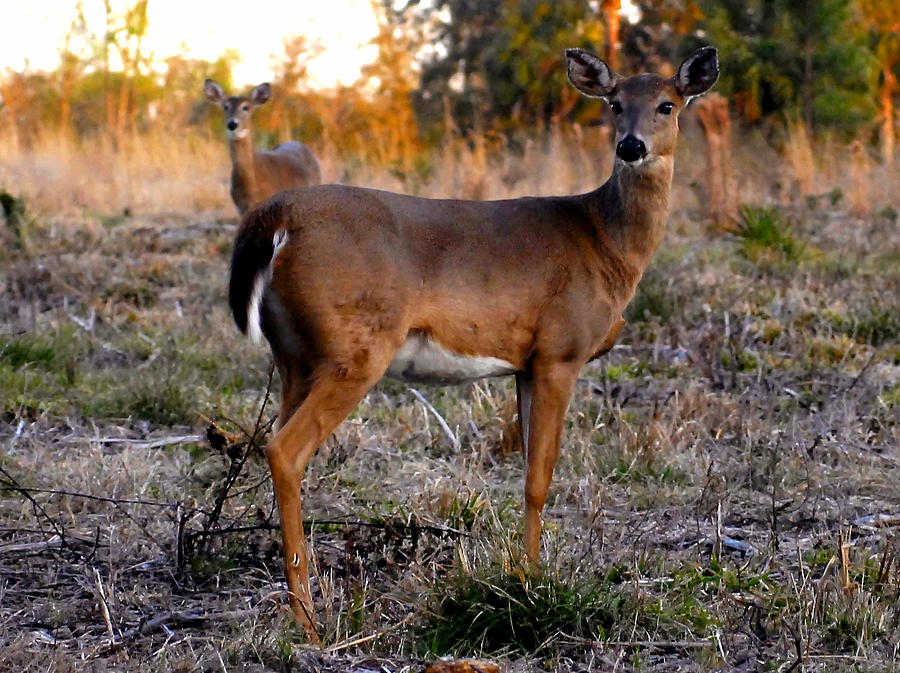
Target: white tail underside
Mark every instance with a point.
(263, 278)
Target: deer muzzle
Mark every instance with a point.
(631, 149)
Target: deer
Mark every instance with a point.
(349, 285)
(257, 175)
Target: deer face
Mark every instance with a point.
(645, 106)
(238, 109)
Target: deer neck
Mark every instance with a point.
(632, 207)
(242, 159)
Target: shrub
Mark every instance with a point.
(503, 609)
(765, 231)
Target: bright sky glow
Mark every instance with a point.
(630, 11)
(34, 29)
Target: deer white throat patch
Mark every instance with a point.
(423, 360)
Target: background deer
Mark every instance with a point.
(349, 285)
(255, 176)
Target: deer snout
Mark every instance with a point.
(232, 124)
(631, 148)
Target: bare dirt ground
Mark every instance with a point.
(727, 498)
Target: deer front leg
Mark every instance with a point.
(552, 390)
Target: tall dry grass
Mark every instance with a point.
(153, 172)
(166, 171)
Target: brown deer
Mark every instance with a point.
(255, 176)
(349, 285)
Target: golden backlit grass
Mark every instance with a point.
(187, 171)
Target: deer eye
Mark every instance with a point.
(245, 107)
(665, 108)
(616, 107)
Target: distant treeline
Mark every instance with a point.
(467, 67)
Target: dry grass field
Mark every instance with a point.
(727, 497)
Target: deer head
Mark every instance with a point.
(238, 109)
(645, 106)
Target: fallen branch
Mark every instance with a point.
(54, 542)
(877, 520)
(454, 440)
(141, 443)
(104, 604)
(352, 642)
(660, 644)
(187, 618)
(312, 523)
(86, 496)
(184, 618)
(645, 644)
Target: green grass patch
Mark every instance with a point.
(745, 361)
(501, 609)
(162, 405)
(877, 326)
(161, 398)
(70, 371)
(26, 351)
(509, 607)
(891, 396)
(625, 371)
(51, 351)
(646, 471)
(765, 234)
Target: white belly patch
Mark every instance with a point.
(421, 360)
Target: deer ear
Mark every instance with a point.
(589, 74)
(697, 73)
(261, 93)
(213, 92)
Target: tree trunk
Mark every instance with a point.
(611, 10)
(65, 117)
(808, 87)
(860, 198)
(122, 110)
(108, 38)
(11, 105)
(888, 87)
(67, 78)
(712, 112)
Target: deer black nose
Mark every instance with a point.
(631, 148)
(232, 125)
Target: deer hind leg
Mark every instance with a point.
(296, 382)
(326, 401)
(552, 390)
(524, 388)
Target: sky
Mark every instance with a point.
(34, 29)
